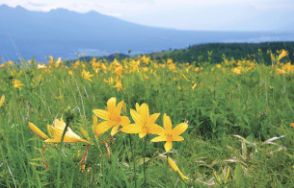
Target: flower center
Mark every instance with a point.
(115, 118)
(169, 137)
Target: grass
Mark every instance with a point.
(231, 116)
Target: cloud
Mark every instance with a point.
(181, 14)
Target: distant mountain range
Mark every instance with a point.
(60, 32)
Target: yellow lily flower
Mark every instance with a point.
(41, 66)
(2, 101)
(144, 122)
(17, 84)
(292, 125)
(87, 75)
(170, 135)
(173, 165)
(56, 131)
(282, 54)
(118, 85)
(111, 118)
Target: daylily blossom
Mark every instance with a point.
(111, 117)
(282, 54)
(170, 134)
(56, 131)
(173, 165)
(144, 122)
(87, 75)
(292, 125)
(41, 66)
(17, 84)
(2, 100)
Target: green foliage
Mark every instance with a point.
(216, 52)
(231, 117)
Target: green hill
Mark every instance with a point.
(216, 52)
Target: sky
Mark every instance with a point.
(221, 15)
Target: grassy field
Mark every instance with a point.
(239, 116)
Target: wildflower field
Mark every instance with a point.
(139, 122)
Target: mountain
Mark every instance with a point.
(68, 34)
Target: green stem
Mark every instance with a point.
(144, 162)
(134, 160)
(167, 155)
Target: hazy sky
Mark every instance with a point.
(184, 14)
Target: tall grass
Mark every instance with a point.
(231, 115)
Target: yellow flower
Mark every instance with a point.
(170, 135)
(17, 84)
(292, 125)
(118, 70)
(109, 81)
(41, 66)
(111, 118)
(118, 85)
(145, 59)
(194, 86)
(173, 165)
(283, 54)
(237, 70)
(170, 64)
(218, 66)
(87, 75)
(144, 122)
(280, 71)
(70, 72)
(2, 101)
(56, 131)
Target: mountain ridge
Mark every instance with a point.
(68, 34)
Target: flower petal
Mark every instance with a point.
(111, 103)
(155, 129)
(130, 129)
(37, 131)
(168, 146)
(125, 121)
(119, 107)
(137, 107)
(180, 128)
(173, 165)
(167, 123)
(153, 118)
(178, 138)
(103, 114)
(135, 116)
(144, 110)
(114, 130)
(2, 100)
(59, 124)
(142, 134)
(159, 139)
(102, 128)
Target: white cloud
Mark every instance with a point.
(182, 14)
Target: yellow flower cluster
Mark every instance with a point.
(144, 123)
(115, 73)
(112, 119)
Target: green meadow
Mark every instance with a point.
(239, 116)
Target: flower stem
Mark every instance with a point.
(134, 160)
(144, 162)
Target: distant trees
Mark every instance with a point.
(216, 52)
